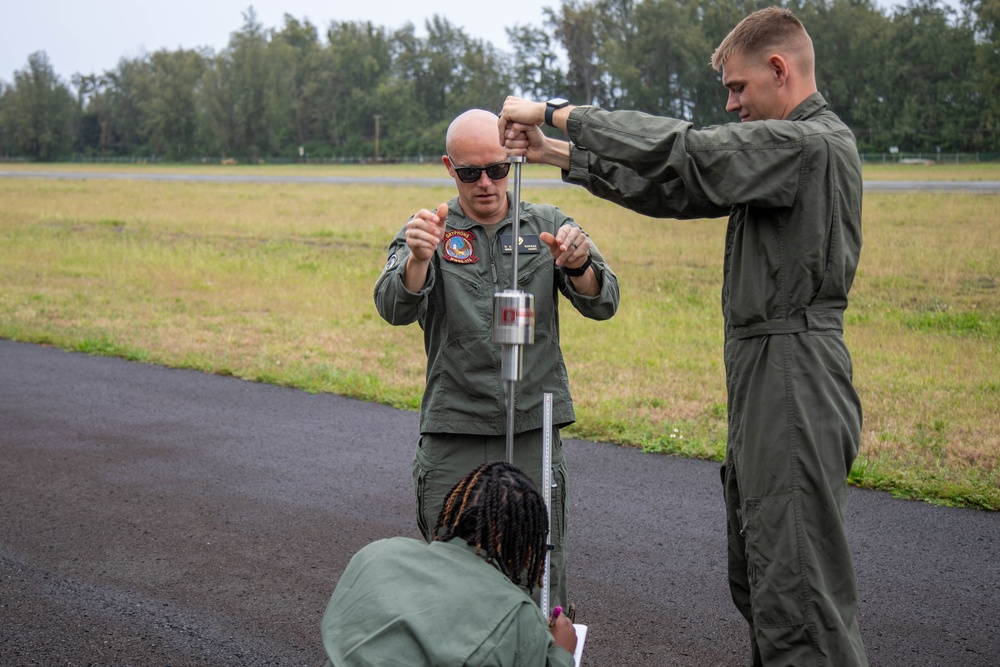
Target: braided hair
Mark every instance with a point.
(497, 509)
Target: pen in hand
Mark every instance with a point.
(563, 630)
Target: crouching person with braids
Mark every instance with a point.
(403, 601)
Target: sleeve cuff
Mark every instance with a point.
(405, 295)
(579, 165)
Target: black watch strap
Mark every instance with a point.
(550, 109)
(580, 270)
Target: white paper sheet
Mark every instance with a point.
(581, 635)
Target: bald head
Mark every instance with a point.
(472, 141)
(473, 131)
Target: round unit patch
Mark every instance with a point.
(459, 248)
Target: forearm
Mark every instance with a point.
(415, 273)
(554, 152)
(587, 284)
(600, 304)
(396, 303)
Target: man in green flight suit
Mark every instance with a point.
(788, 175)
(443, 269)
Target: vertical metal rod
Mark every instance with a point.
(516, 160)
(515, 235)
(510, 421)
(545, 598)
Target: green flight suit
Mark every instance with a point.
(792, 190)
(463, 416)
(405, 602)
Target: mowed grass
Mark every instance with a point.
(273, 283)
(873, 170)
(432, 168)
(970, 171)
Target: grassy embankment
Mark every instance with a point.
(273, 283)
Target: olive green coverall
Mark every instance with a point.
(463, 415)
(406, 603)
(792, 190)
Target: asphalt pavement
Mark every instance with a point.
(153, 516)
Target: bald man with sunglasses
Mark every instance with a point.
(443, 268)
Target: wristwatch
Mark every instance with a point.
(551, 106)
(580, 270)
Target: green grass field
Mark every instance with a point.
(273, 283)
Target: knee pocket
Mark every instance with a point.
(420, 490)
(423, 472)
(771, 529)
(559, 495)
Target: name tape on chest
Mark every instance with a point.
(529, 244)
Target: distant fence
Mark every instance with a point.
(928, 158)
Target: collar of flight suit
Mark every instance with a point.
(808, 107)
(457, 219)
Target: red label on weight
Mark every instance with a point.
(516, 315)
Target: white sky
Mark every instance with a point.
(90, 36)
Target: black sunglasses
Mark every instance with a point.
(495, 171)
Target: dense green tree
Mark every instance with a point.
(443, 75)
(616, 53)
(37, 113)
(117, 100)
(932, 84)
(250, 77)
(536, 63)
(481, 79)
(984, 16)
(297, 45)
(670, 52)
(246, 94)
(5, 147)
(920, 76)
(851, 43)
(577, 26)
(217, 132)
(170, 110)
(92, 124)
(360, 58)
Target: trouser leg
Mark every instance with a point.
(739, 582)
(442, 459)
(801, 582)
(789, 454)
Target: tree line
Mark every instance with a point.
(920, 77)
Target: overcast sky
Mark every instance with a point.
(90, 36)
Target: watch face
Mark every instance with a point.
(557, 102)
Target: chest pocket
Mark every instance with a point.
(462, 297)
(536, 277)
(531, 268)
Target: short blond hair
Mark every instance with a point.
(773, 29)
